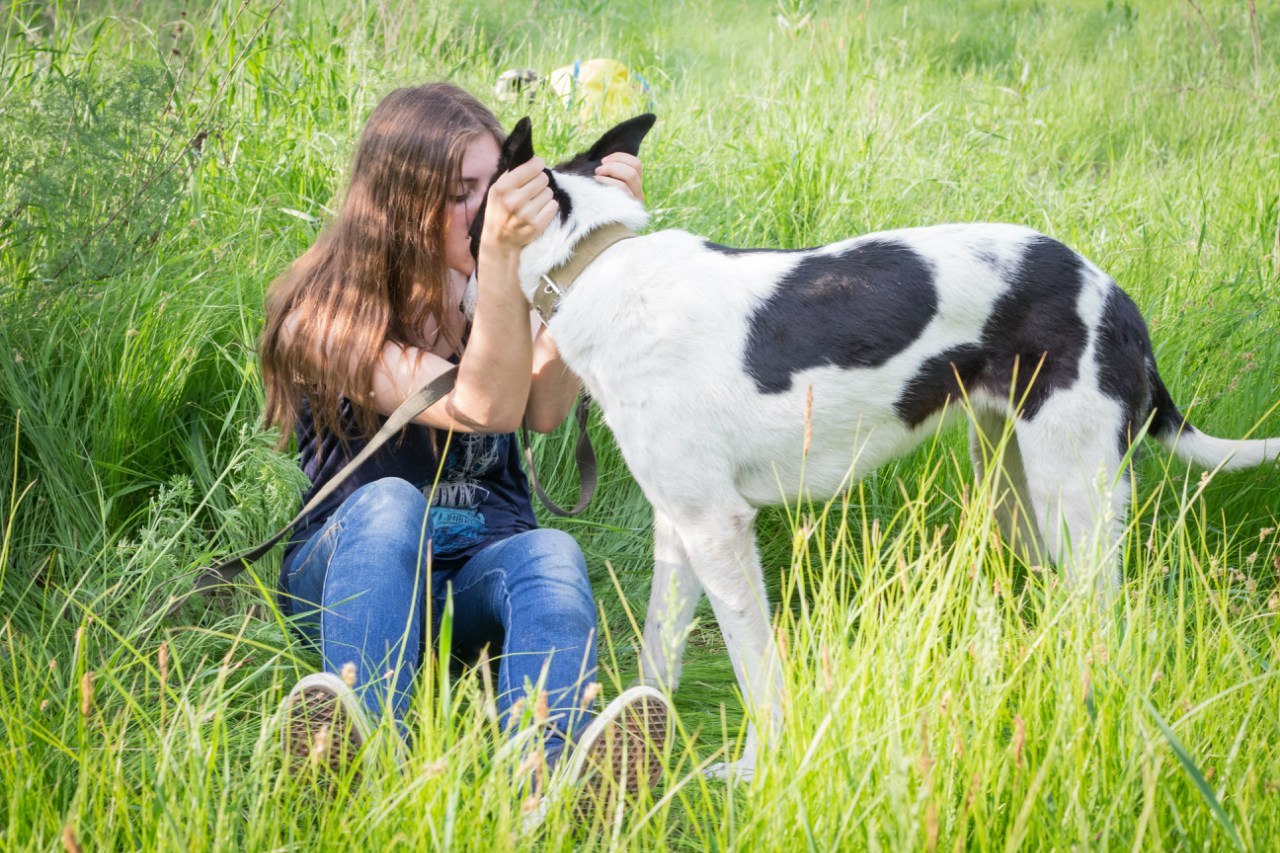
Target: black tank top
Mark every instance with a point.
(481, 494)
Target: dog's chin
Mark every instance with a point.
(469, 296)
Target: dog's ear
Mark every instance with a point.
(516, 149)
(518, 146)
(625, 137)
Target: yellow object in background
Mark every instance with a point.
(601, 88)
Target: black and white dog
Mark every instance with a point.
(736, 378)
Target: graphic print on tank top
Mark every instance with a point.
(457, 521)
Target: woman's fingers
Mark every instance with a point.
(521, 204)
(523, 181)
(544, 216)
(623, 170)
(533, 214)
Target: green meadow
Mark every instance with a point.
(161, 162)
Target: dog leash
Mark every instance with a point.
(209, 578)
(583, 454)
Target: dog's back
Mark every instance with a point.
(886, 331)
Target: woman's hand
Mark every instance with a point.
(520, 207)
(622, 170)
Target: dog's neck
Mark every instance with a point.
(594, 205)
(555, 284)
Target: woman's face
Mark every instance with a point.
(479, 163)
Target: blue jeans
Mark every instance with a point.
(362, 589)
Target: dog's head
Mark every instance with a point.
(585, 203)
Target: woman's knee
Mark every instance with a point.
(553, 570)
(390, 509)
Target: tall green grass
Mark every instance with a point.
(160, 163)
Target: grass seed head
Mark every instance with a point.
(589, 694)
(540, 711)
(808, 421)
(349, 674)
(320, 746)
(69, 841)
(86, 693)
(975, 785)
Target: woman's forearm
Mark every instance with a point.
(495, 372)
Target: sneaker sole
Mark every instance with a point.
(319, 729)
(629, 749)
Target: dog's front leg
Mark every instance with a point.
(672, 601)
(722, 549)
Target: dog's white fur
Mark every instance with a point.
(657, 327)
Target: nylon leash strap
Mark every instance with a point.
(209, 578)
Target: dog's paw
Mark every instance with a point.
(730, 771)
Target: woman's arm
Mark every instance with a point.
(495, 372)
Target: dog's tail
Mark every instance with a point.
(1171, 428)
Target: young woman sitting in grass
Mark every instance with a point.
(361, 321)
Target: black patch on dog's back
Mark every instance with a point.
(1123, 348)
(1035, 329)
(1034, 333)
(858, 308)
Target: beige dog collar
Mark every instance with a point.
(546, 299)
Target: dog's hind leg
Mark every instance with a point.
(721, 546)
(672, 601)
(1071, 452)
(993, 447)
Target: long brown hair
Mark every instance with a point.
(377, 273)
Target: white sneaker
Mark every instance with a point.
(325, 724)
(626, 743)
